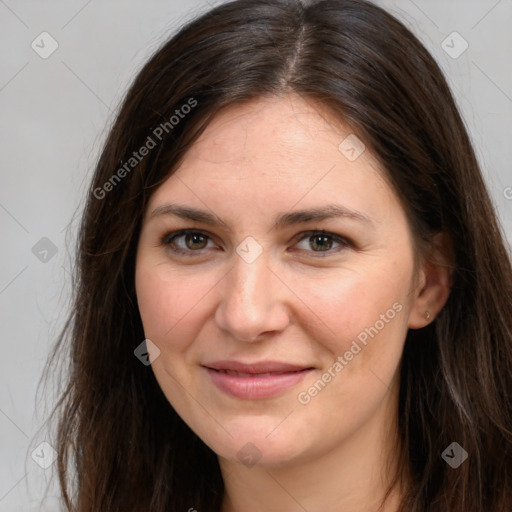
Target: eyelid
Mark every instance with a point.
(180, 232)
(169, 237)
(344, 242)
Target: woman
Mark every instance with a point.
(292, 290)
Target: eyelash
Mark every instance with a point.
(168, 241)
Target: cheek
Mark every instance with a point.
(353, 300)
(362, 348)
(362, 314)
(167, 304)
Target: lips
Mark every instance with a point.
(259, 380)
(261, 367)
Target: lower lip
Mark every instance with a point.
(258, 386)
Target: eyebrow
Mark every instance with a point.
(280, 221)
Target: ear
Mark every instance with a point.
(434, 282)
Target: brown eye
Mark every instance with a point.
(322, 242)
(195, 241)
(186, 242)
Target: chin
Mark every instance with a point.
(261, 445)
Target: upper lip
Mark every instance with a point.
(257, 367)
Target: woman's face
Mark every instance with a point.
(272, 341)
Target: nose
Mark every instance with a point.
(253, 302)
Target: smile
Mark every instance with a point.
(255, 381)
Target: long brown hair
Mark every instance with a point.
(121, 446)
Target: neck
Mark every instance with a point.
(352, 476)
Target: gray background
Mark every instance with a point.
(54, 117)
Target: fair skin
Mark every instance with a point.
(303, 300)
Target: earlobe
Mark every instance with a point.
(434, 285)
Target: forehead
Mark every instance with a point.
(276, 152)
(286, 129)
